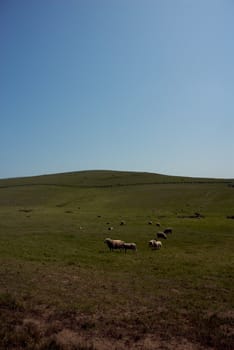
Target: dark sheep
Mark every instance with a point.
(161, 235)
(168, 230)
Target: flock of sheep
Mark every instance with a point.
(121, 245)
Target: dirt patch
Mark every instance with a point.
(45, 328)
(70, 340)
(34, 330)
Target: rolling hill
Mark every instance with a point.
(60, 283)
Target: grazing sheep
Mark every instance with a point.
(130, 246)
(155, 244)
(122, 223)
(111, 228)
(168, 230)
(114, 243)
(150, 223)
(158, 224)
(161, 235)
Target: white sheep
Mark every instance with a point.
(114, 243)
(130, 246)
(155, 244)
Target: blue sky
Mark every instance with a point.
(117, 84)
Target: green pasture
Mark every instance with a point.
(52, 250)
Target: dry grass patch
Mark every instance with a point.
(46, 328)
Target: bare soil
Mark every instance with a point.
(45, 328)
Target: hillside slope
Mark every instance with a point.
(120, 193)
(59, 281)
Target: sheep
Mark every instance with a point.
(158, 224)
(161, 235)
(130, 246)
(150, 223)
(122, 223)
(168, 230)
(114, 243)
(111, 228)
(155, 244)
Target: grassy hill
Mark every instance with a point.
(61, 287)
(104, 178)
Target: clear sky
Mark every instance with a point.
(139, 85)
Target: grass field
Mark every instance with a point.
(61, 288)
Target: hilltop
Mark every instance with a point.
(105, 178)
